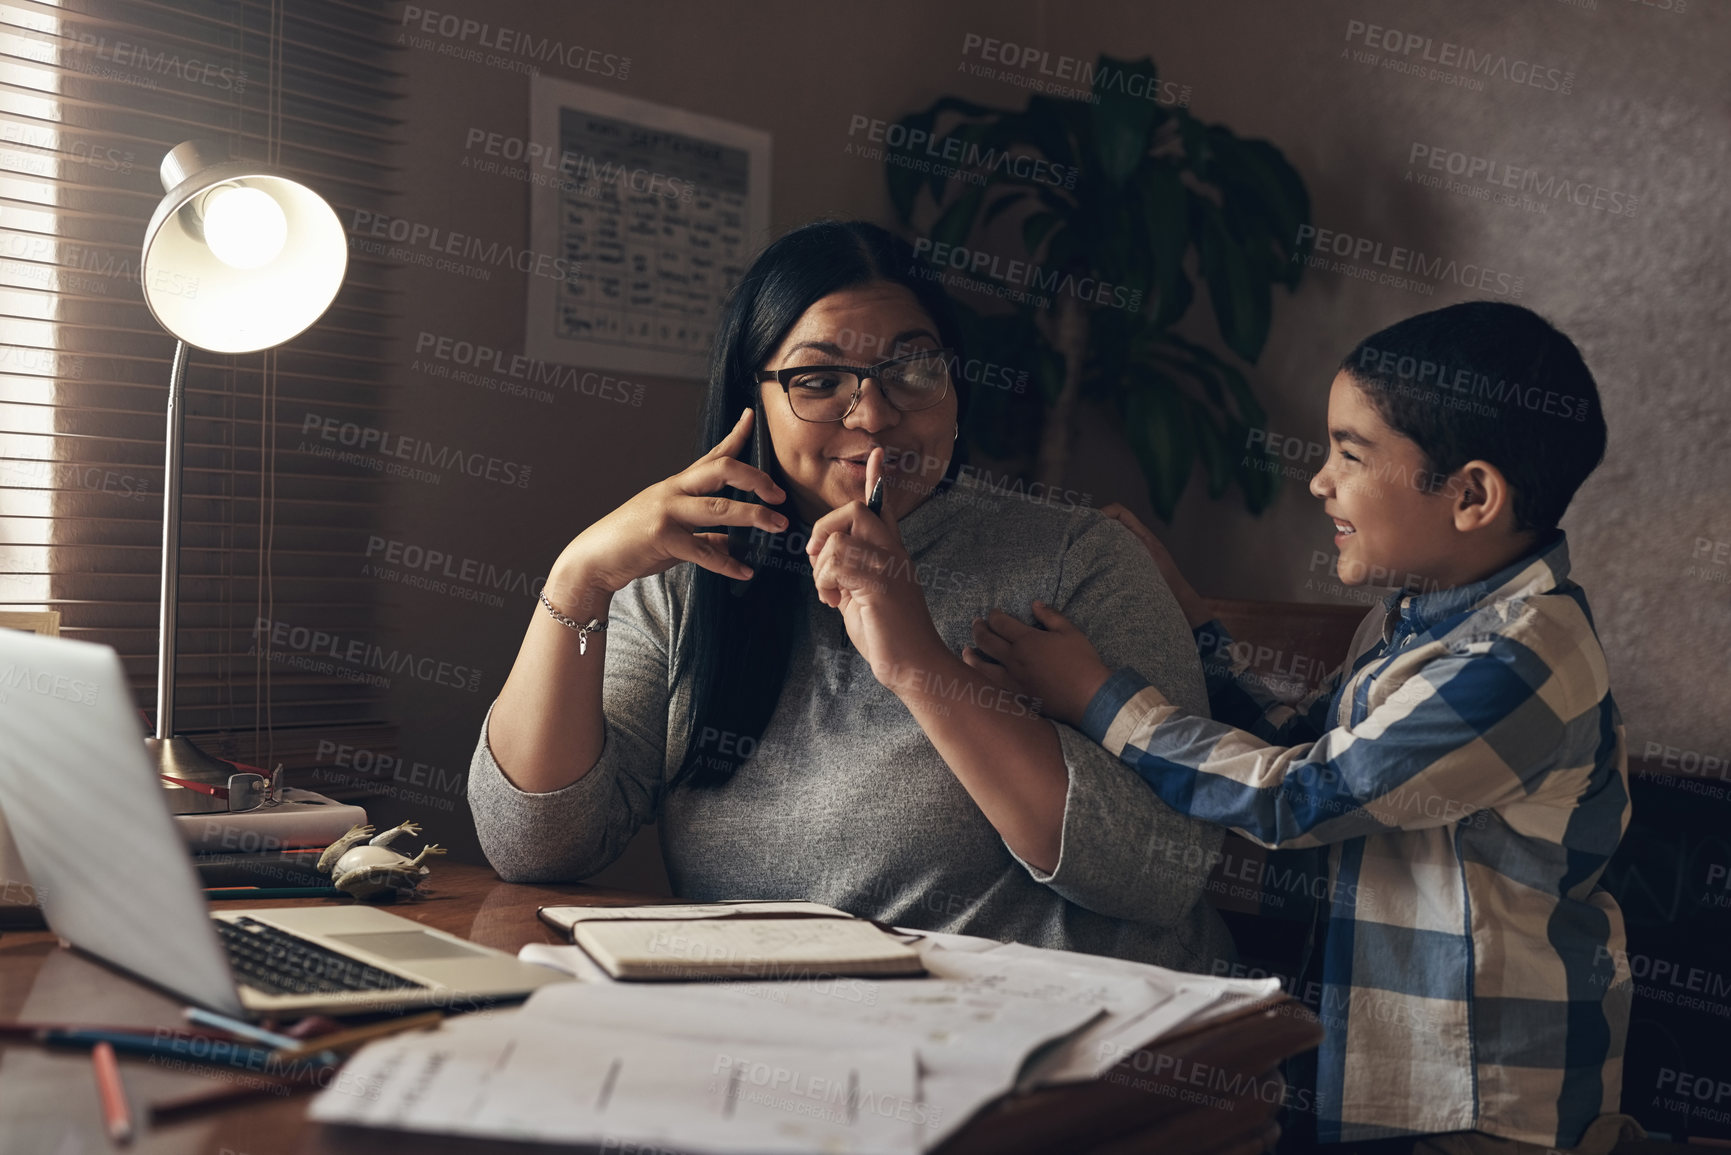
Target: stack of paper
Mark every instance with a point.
(1139, 1003)
(820, 1063)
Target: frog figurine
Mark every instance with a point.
(366, 866)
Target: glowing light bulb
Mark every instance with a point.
(244, 227)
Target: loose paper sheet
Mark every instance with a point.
(1140, 1003)
(515, 1077)
(970, 1043)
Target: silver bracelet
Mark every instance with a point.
(584, 629)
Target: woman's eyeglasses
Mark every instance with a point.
(830, 392)
(244, 791)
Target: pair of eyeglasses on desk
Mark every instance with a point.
(245, 791)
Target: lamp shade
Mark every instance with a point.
(238, 258)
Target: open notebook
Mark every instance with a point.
(732, 940)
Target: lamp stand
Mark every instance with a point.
(175, 755)
(270, 269)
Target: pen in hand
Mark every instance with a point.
(875, 464)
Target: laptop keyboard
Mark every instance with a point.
(279, 963)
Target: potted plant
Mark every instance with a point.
(1136, 202)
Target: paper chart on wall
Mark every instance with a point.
(655, 212)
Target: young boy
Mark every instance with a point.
(1465, 767)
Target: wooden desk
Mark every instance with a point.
(1215, 1090)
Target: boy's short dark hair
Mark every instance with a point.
(1494, 382)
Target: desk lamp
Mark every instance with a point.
(237, 259)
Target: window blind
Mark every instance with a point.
(93, 94)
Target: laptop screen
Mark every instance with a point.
(91, 822)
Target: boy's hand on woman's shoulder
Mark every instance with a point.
(1053, 661)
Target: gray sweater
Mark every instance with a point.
(845, 800)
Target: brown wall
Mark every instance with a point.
(1644, 294)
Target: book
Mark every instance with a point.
(283, 868)
(302, 819)
(741, 940)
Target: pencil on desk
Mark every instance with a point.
(224, 1094)
(36, 1031)
(263, 892)
(222, 1052)
(115, 1112)
(340, 1042)
(236, 1027)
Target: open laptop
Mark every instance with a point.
(92, 826)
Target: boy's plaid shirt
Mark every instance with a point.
(1467, 773)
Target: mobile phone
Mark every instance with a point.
(744, 542)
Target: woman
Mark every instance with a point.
(808, 728)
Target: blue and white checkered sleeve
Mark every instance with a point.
(1237, 697)
(1465, 727)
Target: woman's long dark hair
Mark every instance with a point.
(740, 635)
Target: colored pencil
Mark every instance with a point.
(224, 1094)
(28, 1030)
(341, 1042)
(115, 1111)
(236, 1027)
(218, 1055)
(263, 892)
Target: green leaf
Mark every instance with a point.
(1066, 248)
(1167, 223)
(1215, 452)
(956, 222)
(1242, 304)
(1249, 408)
(1194, 135)
(1187, 353)
(1158, 427)
(1048, 372)
(1036, 227)
(1263, 206)
(1279, 188)
(1205, 375)
(1047, 127)
(1258, 475)
(1004, 201)
(1123, 124)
